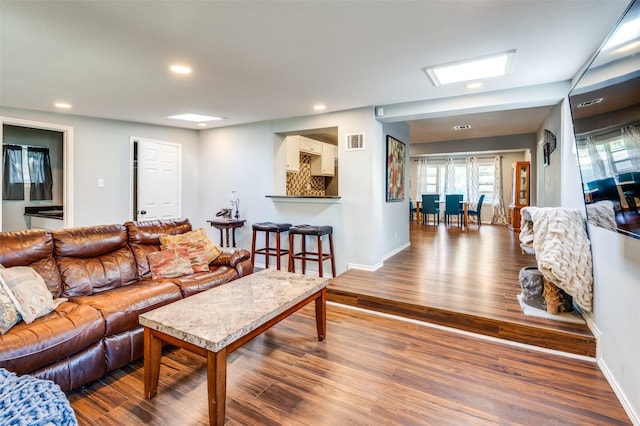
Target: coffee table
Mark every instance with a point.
(218, 321)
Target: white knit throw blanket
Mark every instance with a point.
(562, 248)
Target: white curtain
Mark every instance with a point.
(473, 180)
(499, 216)
(597, 165)
(449, 176)
(473, 183)
(631, 138)
(421, 179)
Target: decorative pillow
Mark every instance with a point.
(9, 315)
(28, 291)
(199, 235)
(170, 263)
(197, 254)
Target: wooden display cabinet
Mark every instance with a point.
(520, 184)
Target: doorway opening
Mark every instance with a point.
(59, 139)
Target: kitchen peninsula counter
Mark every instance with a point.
(305, 198)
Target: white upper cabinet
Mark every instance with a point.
(293, 153)
(310, 146)
(324, 165)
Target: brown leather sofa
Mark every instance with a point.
(104, 273)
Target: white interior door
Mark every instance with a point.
(158, 171)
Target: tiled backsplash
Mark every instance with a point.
(302, 183)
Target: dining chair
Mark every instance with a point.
(430, 206)
(412, 210)
(452, 208)
(477, 211)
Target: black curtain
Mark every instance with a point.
(40, 174)
(12, 178)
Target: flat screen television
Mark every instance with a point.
(605, 109)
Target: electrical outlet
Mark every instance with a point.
(100, 183)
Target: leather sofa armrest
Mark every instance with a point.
(231, 258)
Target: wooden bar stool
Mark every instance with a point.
(304, 255)
(267, 251)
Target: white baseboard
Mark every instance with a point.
(373, 268)
(628, 408)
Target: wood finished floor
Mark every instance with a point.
(371, 370)
(375, 370)
(462, 279)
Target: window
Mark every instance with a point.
(608, 153)
(28, 167)
(436, 178)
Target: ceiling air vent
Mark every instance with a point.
(591, 102)
(355, 141)
(462, 127)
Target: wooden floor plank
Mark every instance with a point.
(371, 370)
(461, 279)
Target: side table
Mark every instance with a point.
(227, 224)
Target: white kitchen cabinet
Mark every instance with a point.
(324, 165)
(310, 146)
(293, 153)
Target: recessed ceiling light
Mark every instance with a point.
(475, 85)
(627, 32)
(180, 69)
(462, 127)
(202, 124)
(63, 105)
(319, 107)
(474, 69)
(196, 118)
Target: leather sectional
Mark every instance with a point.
(104, 273)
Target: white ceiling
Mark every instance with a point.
(261, 60)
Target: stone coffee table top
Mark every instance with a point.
(219, 316)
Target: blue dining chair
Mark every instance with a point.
(452, 208)
(430, 206)
(477, 211)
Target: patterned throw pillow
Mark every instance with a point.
(170, 263)
(197, 254)
(9, 315)
(29, 292)
(199, 235)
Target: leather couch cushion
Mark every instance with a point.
(77, 369)
(93, 259)
(32, 248)
(121, 306)
(201, 281)
(124, 348)
(68, 329)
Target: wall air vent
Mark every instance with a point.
(462, 127)
(589, 103)
(355, 141)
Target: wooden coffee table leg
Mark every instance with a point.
(152, 354)
(217, 385)
(321, 314)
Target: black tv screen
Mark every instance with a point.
(605, 108)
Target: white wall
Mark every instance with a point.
(101, 151)
(250, 159)
(549, 193)
(616, 272)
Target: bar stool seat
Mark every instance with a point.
(267, 251)
(314, 256)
